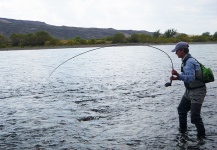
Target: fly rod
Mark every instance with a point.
(113, 45)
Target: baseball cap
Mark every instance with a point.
(180, 45)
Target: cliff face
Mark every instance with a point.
(10, 26)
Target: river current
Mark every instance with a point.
(112, 98)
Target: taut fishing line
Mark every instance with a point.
(167, 84)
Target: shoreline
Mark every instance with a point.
(94, 45)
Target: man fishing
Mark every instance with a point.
(195, 91)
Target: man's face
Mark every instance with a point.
(180, 53)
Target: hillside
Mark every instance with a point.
(10, 26)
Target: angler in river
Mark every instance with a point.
(195, 89)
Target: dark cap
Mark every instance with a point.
(180, 45)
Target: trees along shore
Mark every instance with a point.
(43, 39)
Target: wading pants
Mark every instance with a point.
(192, 101)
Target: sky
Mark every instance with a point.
(192, 17)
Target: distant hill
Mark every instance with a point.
(10, 26)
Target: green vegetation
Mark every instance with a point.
(43, 38)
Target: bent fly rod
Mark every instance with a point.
(94, 49)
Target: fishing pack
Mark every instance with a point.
(207, 74)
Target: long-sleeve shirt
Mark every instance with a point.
(188, 74)
(192, 73)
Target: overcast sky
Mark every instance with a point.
(185, 16)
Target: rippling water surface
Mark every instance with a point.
(112, 98)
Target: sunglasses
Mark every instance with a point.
(179, 50)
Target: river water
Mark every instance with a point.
(112, 98)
